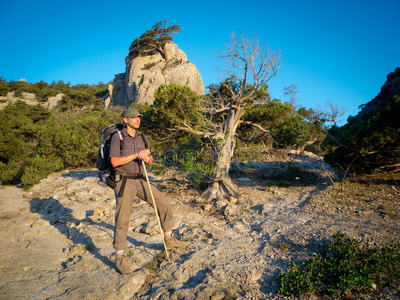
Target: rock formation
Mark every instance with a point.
(30, 99)
(144, 74)
(388, 90)
(53, 102)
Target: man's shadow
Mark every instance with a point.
(61, 217)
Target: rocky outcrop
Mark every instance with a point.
(144, 74)
(388, 90)
(30, 99)
(53, 102)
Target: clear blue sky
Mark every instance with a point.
(338, 50)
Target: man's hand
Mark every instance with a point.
(144, 154)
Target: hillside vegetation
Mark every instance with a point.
(35, 142)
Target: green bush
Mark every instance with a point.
(75, 140)
(39, 167)
(35, 141)
(366, 145)
(287, 128)
(19, 127)
(175, 104)
(346, 267)
(13, 148)
(11, 172)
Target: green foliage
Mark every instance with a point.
(14, 86)
(82, 95)
(13, 148)
(35, 142)
(153, 40)
(365, 145)
(19, 127)
(223, 90)
(346, 267)
(22, 120)
(39, 167)
(175, 105)
(197, 172)
(76, 140)
(68, 136)
(11, 172)
(287, 128)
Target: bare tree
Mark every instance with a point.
(216, 117)
(249, 66)
(291, 91)
(331, 113)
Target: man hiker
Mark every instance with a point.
(130, 182)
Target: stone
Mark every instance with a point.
(231, 210)
(144, 75)
(132, 285)
(11, 95)
(28, 96)
(53, 102)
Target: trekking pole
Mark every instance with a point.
(155, 208)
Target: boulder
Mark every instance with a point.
(117, 91)
(28, 96)
(144, 74)
(52, 102)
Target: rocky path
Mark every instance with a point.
(56, 239)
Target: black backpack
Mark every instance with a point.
(103, 162)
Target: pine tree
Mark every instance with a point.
(154, 40)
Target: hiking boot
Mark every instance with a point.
(122, 265)
(172, 242)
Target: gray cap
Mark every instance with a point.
(132, 113)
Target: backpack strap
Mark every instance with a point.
(120, 135)
(121, 143)
(146, 144)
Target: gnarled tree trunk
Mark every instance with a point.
(224, 148)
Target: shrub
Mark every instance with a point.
(174, 105)
(19, 127)
(286, 128)
(10, 173)
(366, 145)
(74, 140)
(39, 167)
(67, 137)
(346, 267)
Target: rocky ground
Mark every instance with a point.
(57, 238)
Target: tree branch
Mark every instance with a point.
(260, 128)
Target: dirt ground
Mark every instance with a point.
(56, 238)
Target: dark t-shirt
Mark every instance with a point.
(131, 145)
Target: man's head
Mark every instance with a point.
(132, 113)
(132, 118)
